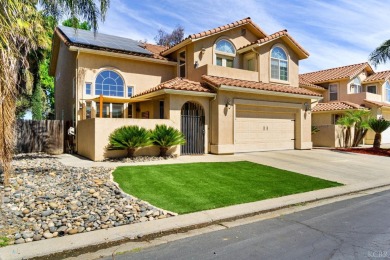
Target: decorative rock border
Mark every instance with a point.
(47, 199)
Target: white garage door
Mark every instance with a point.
(386, 134)
(257, 130)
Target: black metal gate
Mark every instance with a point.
(192, 126)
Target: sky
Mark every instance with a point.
(334, 32)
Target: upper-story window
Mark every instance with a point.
(225, 53)
(333, 92)
(182, 64)
(109, 83)
(279, 64)
(387, 91)
(371, 89)
(356, 86)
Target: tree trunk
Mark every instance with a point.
(347, 137)
(163, 151)
(130, 152)
(377, 141)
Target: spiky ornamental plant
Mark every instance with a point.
(378, 126)
(129, 138)
(166, 137)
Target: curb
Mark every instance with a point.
(75, 245)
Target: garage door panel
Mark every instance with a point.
(257, 130)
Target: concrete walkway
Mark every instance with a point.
(358, 172)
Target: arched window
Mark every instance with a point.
(225, 53)
(109, 83)
(279, 64)
(356, 85)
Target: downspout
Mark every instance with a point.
(258, 63)
(77, 103)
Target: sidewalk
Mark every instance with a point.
(358, 172)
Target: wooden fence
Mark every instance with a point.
(40, 136)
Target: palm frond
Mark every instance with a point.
(380, 54)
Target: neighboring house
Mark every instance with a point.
(347, 88)
(229, 89)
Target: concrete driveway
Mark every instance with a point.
(346, 168)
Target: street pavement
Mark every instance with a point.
(358, 228)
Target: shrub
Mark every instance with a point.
(378, 126)
(166, 137)
(129, 138)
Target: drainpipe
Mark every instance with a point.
(77, 103)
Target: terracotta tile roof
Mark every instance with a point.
(156, 50)
(222, 28)
(304, 83)
(274, 36)
(377, 103)
(178, 84)
(218, 81)
(335, 105)
(379, 76)
(349, 71)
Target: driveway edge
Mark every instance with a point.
(75, 245)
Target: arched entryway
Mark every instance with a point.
(192, 126)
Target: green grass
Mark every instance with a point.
(4, 241)
(185, 188)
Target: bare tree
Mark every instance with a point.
(169, 39)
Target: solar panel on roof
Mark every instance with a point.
(103, 40)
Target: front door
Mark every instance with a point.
(193, 128)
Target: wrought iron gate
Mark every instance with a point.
(192, 126)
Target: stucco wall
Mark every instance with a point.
(64, 78)
(94, 133)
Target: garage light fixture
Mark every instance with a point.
(228, 103)
(307, 106)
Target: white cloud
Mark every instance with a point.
(335, 33)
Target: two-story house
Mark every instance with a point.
(230, 89)
(347, 88)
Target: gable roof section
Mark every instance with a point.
(379, 76)
(306, 84)
(335, 105)
(277, 35)
(105, 42)
(345, 72)
(178, 84)
(213, 31)
(220, 81)
(377, 103)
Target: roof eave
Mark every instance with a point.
(176, 47)
(173, 92)
(266, 92)
(121, 55)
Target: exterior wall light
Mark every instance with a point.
(228, 103)
(307, 106)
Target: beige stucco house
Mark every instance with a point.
(346, 88)
(229, 89)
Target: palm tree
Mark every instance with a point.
(20, 24)
(130, 138)
(380, 54)
(360, 117)
(347, 123)
(166, 137)
(378, 126)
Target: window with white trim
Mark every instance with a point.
(279, 64)
(356, 86)
(225, 52)
(88, 88)
(387, 91)
(333, 93)
(109, 83)
(130, 91)
(182, 64)
(371, 89)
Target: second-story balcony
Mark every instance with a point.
(358, 98)
(220, 71)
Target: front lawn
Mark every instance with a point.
(185, 188)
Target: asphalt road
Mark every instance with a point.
(352, 229)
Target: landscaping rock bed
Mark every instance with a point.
(137, 159)
(47, 200)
